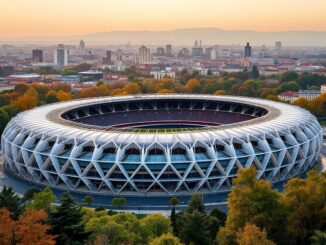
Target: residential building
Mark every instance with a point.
(144, 55)
(61, 55)
(37, 55)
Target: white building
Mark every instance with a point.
(61, 55)
(162, 74)
(323, 89)
(144, 55)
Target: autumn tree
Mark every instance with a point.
(132, 88)
(63, 96)
(157, 224)
(27, 101)
(166, 239)
(253, 201)
(192, 86)
(306, 201)
(31, 228)
(253, 235)
(4, 119)
(7, 226)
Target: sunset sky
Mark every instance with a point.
(69, 17)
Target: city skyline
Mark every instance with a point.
(61, 18)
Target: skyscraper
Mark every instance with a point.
(144, 55)
(278, 46)
(61, 55)
(37, 55)
(81, 46)
(248, 51)
(108, 58)
(197, 50)
(168, 50)
(160, 51)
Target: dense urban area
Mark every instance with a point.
(257, 214)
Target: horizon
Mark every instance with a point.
(61, 18)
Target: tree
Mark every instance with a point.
(289, 76)
(63, 96)
(132, 88)
(319, 238)
(118, 202)
(196, 203)
(43, 200)
(51, 97)
(104, 230)
(305, 200)
(28, 196)
(192, 86)
(31, 228)
(194, 228)
(252, 235)
(4, 119)
(88, 200)
(166, 239)
(174, 201)
(67, 222)
(28, 100)
(11, 201)
(7, 226)
(255, 72)
(253, 201)
(157, 224)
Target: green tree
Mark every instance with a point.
(166, 239)
(67, 222)
(118, 202)
(174, 201)
(253, 201)
(88, 200)
(28, 196)
(194, 228)
(11, 201)
(43, 200)
(319, 238)
(289, 76)
(4, 119)
(196, 203)
(255, 72)
(51, 97)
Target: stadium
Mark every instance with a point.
(148, 148)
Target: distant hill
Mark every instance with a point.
(186, 37)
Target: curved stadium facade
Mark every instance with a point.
(159, 146)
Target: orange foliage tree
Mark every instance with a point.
(27, 101)
(63, 96)
(30, 228)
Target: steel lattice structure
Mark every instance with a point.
(52, 144)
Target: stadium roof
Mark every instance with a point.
(47, 120)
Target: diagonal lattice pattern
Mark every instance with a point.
(139, 163)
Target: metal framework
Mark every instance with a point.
(45, 146)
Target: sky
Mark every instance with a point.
(28, 18)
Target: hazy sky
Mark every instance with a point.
(69, 17)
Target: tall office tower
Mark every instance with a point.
(248, 51)
(61, 55)
(37, 55)
(214, 53)
(144, 55)
(197, 50)
(81, 46)
(278, 46)
(263, 52)
(108, 57)
(168, 49)
(160, 51)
